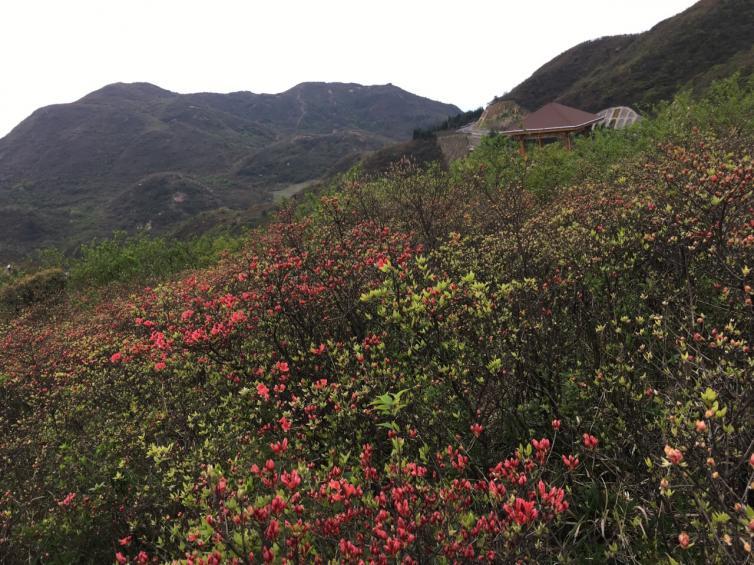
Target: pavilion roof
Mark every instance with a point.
(555, 117)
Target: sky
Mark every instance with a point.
(461, 52)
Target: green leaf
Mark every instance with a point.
(709, 396)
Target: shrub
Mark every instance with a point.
(124, 258)
(42, 286)
(430, 367)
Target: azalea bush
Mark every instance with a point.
(430, 366)
(435, 508)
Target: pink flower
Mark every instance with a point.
(683, 540)
(570, 462)
(282, 366)
(238, 317)
(116, 357)
(263, 391)
(222, 485)
(543, 447)
(159, 366)
(477, 429)
(125, 541)
(277, 505)
(285, 424)
(674, 455)
(590, 442)
(120, 558)
(290, 480)
(555, 424)
(349, 490)
(272, 530)
(280, 446)
(521, 511)
(69, 498)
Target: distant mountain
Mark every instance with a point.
(710, 40)
(131, 155)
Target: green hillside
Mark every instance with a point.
(540, 359)
(710, 40)
(71, 172)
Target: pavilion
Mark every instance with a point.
(552, 121)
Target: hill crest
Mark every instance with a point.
(69, 167)
(710, 40)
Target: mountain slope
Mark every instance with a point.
(713, 38)
(136, 154)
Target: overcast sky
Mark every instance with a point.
(464, 52)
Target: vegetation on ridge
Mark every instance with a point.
(710, 40)
(538, 360)
(453, 122)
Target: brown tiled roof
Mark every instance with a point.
(554, 116)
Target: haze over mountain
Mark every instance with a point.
(133, 155)
(710, 40)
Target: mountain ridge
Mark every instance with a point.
(709, 40)
(65, 169)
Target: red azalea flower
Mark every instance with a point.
(263, 391)
(285, 424)
(674, 455)
(570, 462)
(590, 442)
(477, 429)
